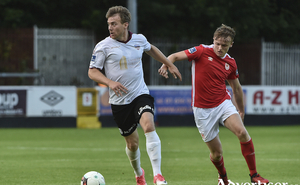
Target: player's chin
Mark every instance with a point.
(220, 54)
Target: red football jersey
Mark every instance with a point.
(209, 73)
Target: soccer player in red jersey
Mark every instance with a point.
(211, 101)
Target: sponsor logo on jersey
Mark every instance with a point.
(137, 46)
(192, 50)
(123, 63)
(93, 58)
(236, 72)
(227, 66)
(210, 58)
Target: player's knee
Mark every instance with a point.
(132, 145)
(242, 135)
(217, 155)
(148, 126)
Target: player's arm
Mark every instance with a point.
(99, 77)
(238, 96)
(155, 53)
(181, 55)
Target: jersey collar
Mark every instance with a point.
(129, 37)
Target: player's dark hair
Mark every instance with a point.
(224, 32)
(122, 11)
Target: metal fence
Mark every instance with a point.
(280, 64)
(62, 56)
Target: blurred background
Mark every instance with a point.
(46, 36)
(50, 42)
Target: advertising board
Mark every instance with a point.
(258, 100)
(52, 101)
(13, 102)
(273, 100)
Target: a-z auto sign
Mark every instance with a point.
(13, 102)
(273, 100)
(52, 101)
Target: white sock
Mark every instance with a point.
(154, 151)
(134, 158)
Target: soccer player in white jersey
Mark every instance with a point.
(120, 56)
(211, 101)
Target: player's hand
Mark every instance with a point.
(175, 72)
(118, 88)
(163, 71)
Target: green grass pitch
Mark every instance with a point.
(62, 156)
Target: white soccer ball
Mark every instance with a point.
(92, 178)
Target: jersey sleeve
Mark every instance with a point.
(194, 52)
(146, 44)
(234, 74)
(98, 57)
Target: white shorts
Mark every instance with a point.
(208, 119)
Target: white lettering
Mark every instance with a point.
(9, 100)
(143, 108)
(52, 113)
(221, 182)
(231, 183)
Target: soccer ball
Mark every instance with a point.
(92, 178)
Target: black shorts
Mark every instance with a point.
(128, 116)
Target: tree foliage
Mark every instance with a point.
(274, 20)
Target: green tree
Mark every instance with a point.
(274, 20)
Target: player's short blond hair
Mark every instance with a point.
(122, 11)
(224, 31)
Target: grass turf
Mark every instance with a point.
(62, 156)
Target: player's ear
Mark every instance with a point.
(126, 24)
(231, 44)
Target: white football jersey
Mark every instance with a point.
(122, 63)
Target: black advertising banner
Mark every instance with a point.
(13, 102)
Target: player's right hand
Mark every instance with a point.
(118, 88)
(163, 71)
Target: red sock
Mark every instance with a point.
(249, 155)
(219, 165)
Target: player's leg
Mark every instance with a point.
(133, 152)
(153, 143)
(234, 123)
(153, 146)
(216, 157)
(207, 122)
(216, 154)
(144, 106)
(124, 117)
(134, 155)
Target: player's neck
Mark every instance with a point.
(126, 37)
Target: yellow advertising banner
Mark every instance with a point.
(87, 101)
